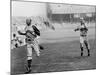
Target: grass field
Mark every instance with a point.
(61, 52)
(62, 56)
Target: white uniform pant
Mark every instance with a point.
(84, 39)
(30, 47)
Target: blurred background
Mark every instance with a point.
(64, 17)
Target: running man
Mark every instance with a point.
(31, 33)
(83, 36)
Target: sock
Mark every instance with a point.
(88, 52)
(29, 62)
(87, 48)
(81, 51)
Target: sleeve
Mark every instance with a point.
(37, 32)
(21, 33)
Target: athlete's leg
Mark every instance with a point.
(87, 46)
(29, 58)
(36, 47)
(38, 42)
(81, 45)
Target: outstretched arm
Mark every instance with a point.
(76, 29)
(21, 33)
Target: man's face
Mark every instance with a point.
(82, 22)
(28, 22)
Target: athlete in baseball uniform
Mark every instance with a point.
(31, 32)
(83, 37)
